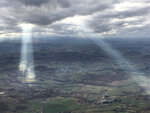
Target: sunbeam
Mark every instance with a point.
(138, 76)
(26, 65)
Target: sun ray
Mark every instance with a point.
(26, 65)
(136, 75)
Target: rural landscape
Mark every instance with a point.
(74, 56)
(74, 75)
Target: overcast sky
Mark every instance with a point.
(109, 18)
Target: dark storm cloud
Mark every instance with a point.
(48, 18)
(63, 3)
(53, 10)
(63, 8)
(36, 3)
(46, 12)
(33, 2)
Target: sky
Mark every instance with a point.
(108, 18)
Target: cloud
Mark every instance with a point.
(32, 2)
(52, 10)
(121, 20)
(102, 16)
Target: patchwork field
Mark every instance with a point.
(74, 76)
